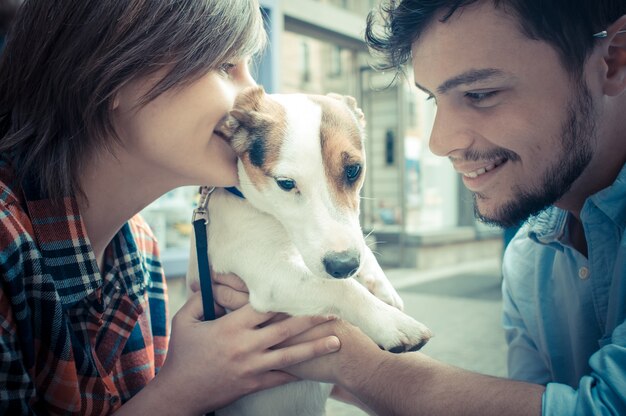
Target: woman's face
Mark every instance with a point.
(171, 138)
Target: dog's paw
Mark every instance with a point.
(398, 332)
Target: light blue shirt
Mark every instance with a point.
(564, 313)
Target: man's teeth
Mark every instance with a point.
(478, 172)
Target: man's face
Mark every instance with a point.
(509, 117)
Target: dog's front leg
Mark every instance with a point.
(374, 279)
(300, 293)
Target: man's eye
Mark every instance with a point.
(353, 172)
(286, 184)
(478, 97)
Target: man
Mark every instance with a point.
(531, 108)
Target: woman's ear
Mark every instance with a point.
(615, 58)
(116, 102)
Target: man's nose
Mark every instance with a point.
(449, 135)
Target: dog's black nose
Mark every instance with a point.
(341, 265)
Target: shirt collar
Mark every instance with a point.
(611, 201)
(550, 226)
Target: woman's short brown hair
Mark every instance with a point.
(65, 60)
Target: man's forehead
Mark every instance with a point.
(475, 38)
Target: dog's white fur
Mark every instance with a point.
(276, 240)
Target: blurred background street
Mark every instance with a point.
(460, 303)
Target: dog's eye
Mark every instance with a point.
(353, 172)
(286, 184)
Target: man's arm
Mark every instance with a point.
(414, 384)
(603, 391)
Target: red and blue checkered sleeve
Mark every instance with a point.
(157, 290)
(16, 387)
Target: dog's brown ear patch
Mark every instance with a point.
(245, 115)
(227, 127)
(249, 99)
(261, 128)
(352, 105)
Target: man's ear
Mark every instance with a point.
(615, 58)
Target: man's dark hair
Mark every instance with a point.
(8, 8)
(568, 25)
(65, 60)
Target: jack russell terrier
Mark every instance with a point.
(295, 239)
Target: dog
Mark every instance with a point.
(296, 239)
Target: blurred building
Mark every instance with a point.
(415, 205)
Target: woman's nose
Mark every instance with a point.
(245, 79)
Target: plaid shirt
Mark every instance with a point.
(74, 340)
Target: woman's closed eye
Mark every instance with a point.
(227, 68)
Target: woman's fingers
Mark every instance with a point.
(278, 332)
(248, 318)
(231, 280)
(295, 354)
(230, 291)
(228, 298)
(192, 309)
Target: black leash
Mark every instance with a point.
(235, 192)
(200, 221)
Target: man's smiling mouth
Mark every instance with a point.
(480, 171)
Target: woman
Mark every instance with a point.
(105, 105)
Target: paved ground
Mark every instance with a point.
(461, 304)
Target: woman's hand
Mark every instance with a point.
(357, 352)
(210, 364)
(230, 292)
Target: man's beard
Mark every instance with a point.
(577, 134)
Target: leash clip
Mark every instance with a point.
(201, 212)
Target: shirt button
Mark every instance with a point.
(583, 273)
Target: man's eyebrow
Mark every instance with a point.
(469, 77)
